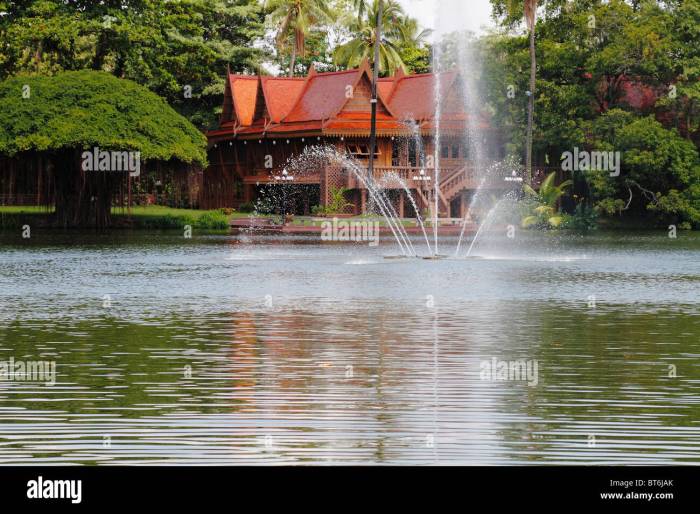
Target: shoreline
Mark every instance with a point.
(158, 218)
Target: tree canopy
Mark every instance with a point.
(84, 109)
(180, 50)
(611, 75)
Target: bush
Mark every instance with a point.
(584, 218)
(212, 220)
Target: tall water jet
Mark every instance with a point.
(484, 225)
(467, 214)
(393, 177)
(436, 158)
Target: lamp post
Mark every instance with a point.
(373, 101)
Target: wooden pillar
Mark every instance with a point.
(401, 204)
(363, 201)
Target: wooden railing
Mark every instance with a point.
(452, 180)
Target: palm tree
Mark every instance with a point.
(544, 203)
(294, 20)
(412, 33)
(364, 28)
(361, 7)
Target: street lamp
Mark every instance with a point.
(422, 177)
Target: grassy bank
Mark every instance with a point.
(15, 216)
(149, 217)
(161, 217)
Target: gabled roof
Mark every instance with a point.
(241, 92)
(325, 94)
(385, 86)
(281, 93)
(337, 103)
(414, 95)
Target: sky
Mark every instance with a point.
(446, 16)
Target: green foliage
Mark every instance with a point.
(294, 20)
(660, 169)
(159, 217)
(169, 47)
(84, 109)
(590, 54)
(336, 205)
(583, 219)
(416, 58)
(400, 33)
(542, 204)
(212, 220)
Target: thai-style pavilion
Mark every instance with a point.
(267, 120)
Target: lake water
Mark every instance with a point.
(237, 350)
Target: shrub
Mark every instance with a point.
(212, 220)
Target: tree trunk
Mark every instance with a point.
(530, 109)
(293, 60)
(83, 198)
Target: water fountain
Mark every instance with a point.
(481, 168)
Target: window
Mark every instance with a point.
(455, 151)
(361, 151)
(445, 152)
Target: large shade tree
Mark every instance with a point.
(61, 116)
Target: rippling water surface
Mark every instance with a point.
(238, 350)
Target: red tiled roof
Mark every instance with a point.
(315, 104)
(323, 96)
(385, 86)
(244, 89)
(281, 93)
(413, 96)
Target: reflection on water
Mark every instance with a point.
(221, 350)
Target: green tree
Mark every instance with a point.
(71, 112)
(414, 50)
(396, 35)
(179, 50)
(660, 172)
(682, 99)
(295, 19)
